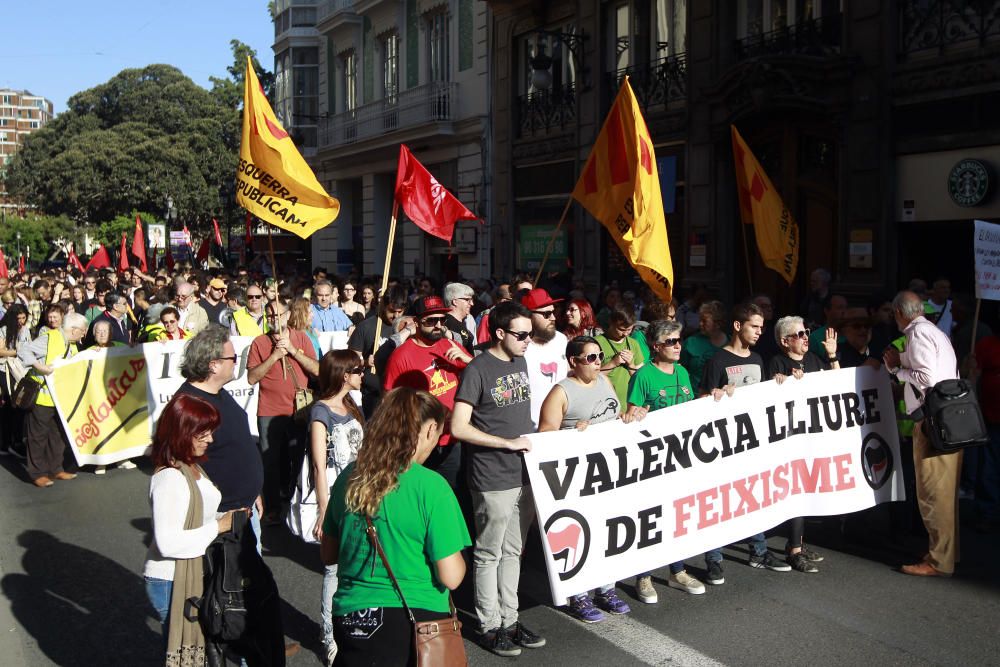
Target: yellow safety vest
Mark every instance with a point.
(903, 421)
(246, 324)
(56, 349)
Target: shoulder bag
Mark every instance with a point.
(25, 393)
(303, 399)
(303, 508)
(438, 643)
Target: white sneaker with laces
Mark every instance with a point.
(685, 582)
(644, 589)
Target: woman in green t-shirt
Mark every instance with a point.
(418, 521)
(700, 347)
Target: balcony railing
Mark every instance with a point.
(331, 7)
(656, 83)
(817, 37)
(937, 24)
(544, 110)
(430, 103)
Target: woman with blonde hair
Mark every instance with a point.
(418, 522)
(301, 318)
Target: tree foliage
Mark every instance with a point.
(36, 231)
(131, 142)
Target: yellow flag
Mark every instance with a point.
(620, 186)
(761, 206)
(273, 181)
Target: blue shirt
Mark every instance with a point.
(330, 319)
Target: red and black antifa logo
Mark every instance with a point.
(568, 537)
(876, 460)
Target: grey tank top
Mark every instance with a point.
(595, 404)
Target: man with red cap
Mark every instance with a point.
(431, 361)
(546, 356)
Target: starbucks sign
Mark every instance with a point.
(969, 182)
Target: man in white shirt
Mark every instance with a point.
(929, 358)
(193, 317)
(546, 356)
(938, 306)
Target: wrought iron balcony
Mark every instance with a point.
(331, 7)
(541, 111)
(935, 25)
(818, 37)
(656, 83)
(430, 103)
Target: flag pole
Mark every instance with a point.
(555, 232)
(385, 270)
(746, 255)
(274, 276)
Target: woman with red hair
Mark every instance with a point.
(185, 521)
(578, 319)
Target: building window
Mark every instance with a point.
(350, 63)
(757, 17)
(303, 17)
(438, 40)
(537, 50)
(390, 68)
(6, 99)
(619, 36)
(669, 21)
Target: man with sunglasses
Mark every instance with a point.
(657, 385)
(855, 332)
(431, 361)
(492, 411)
(546, 356)
(461, 298)
(795, 359)
(249, 320)
(193, 317)
(390, 308)
(214, 300)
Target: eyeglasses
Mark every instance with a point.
(274, 316)
(168, 321)
(799, 334)
(591, 358)
(357, 370)
(184, 296)
(547, 314)
(432, 321)
(518, 335)
(670, 342)
(466, 298)
(350, 289)
(255, 296)
(232, 358)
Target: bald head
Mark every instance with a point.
(907, 307)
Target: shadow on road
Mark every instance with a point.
(80, 607)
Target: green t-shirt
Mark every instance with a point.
(652, 388)
(640, 339)
(697, 350)
(418, 523)
(620, 375)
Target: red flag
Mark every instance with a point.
(206, 245)
(20, 265)
(168, 259)
(218, 235)
(74, 261)
(4, 271)
(139, 245)
(123, 255)
(100, 260)
(427, 202)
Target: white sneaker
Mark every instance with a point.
(685, 582)
(644, 589)
(126, 465)
(100, 470)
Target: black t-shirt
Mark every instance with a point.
(362, 341)
(851, 358)
(784, 365)
(462, 332)
(214, 312)
(727, 368)
(234, 464)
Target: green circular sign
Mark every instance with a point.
(969, 182)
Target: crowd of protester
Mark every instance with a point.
(419, 424)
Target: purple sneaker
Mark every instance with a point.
(582, 608)
(611, 603)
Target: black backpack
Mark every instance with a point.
(953, 419)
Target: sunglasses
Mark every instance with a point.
(519, 335)
(255, 296)
(591, 358)
(670, 342)
(232, 358)
(168, 321)
(357, 370)
(432, 321)
(800, 334)
(547, 314)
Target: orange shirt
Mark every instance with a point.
(277, 392)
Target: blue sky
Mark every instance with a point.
(57, 48)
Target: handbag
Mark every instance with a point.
(303, 400)
(303, 508)
(25, 393)
(437, 643)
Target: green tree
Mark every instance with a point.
(36, 233)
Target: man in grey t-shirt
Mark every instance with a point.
(492, 410)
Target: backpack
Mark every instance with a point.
(953, 419)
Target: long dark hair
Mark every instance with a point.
(332, 368)
(10, 321)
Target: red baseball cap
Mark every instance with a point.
(537, 298)
(429, 305)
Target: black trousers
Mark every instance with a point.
(378, 637)
(46, 442)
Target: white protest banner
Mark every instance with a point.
(332, 340)
(986, 251)
(620, 499)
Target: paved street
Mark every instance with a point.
(73, 595)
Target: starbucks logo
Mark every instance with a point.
(969, 182)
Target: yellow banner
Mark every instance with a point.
(273, 181)
(762, 206)
(620, 186)
(103, 401)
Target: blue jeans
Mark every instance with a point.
(255, 524)
(757, 542)
(158, 591)
(326, 602)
